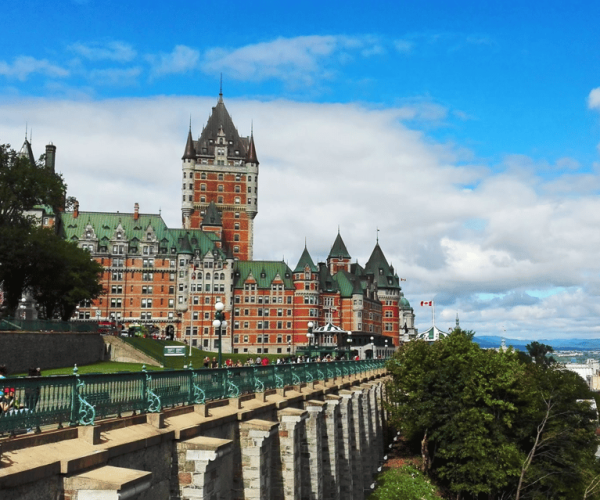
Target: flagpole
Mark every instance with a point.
(433, 314)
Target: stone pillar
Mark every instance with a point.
(292, 437)
(369, 461)
(312, 466)
(203, 472)
(331, 444)
(376, 411)
(107, 483)
(347, 436)
(256, 440)
(360, 444)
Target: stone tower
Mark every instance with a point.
(221, 168)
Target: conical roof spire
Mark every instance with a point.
(212, 217)
(339, 250)
(190, 151)
(305, 260)
(251, 155)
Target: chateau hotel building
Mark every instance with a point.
(172, 278)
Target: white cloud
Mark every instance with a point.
(296, 60)
(97, 51)
(24, 66)
(181, 60)
(594, 98)
(329, 165)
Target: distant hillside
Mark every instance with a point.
(557, 344)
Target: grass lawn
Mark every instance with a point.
(154, 349)
(100, 367)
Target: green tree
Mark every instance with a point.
(57, 273)
(492, 426)
(62, 275)
(23, 186)
(463, 403)
(539, 353)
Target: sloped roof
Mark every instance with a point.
(383, 274)
(221, 120)
(327, 283)
(212, 216)
(190, 152)
(432, 334)
(305, 260)
(329, 328)
(348, 283)
(264, 272)
(338, 250)
(104, 225)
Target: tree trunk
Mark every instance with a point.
(425, 453)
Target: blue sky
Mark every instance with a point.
(479, 120)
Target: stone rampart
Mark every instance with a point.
(316, 442)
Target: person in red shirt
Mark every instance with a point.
(265, 361)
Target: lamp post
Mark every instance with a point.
(349, 340)
(289, 347)
(310, 334)
(386, 348)
(372, 348)
(219, 323)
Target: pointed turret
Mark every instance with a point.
(251, 155)
(190, 151)
(338, 250)
(305, 260)
(378, 266)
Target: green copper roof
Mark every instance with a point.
(404, 302)
(105, 224)
(305, 260)
(378, 266)
(264, 272)
(348, 283)
(338, 250)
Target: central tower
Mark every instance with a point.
(221, 168)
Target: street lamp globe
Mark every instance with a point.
(219, 306)
(216, 323)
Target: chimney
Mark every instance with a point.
(75, 209)
(51, 156)
(136, 211)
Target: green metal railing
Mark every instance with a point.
(82, 399)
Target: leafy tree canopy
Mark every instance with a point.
(57, 273)
(477, 412)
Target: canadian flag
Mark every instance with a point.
(427, 302)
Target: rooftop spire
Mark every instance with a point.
(221, 89)
(251, 155)
(190, 151)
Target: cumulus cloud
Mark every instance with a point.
(481, 252)
(181, 60)
(98, 51)
(24, 66)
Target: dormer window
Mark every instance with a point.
(119, 236)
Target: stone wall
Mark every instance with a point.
(21, 350)
(317, 443)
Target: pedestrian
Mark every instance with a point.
(206, 362)
(265, 361)
(32, 393)
(228, 363)
(214, 363)
(258, 360)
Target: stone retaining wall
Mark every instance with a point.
(20, 351)
(317, 443)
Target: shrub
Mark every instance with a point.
(407, 483)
